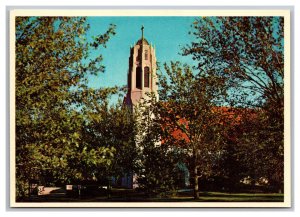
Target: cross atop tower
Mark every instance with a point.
(142, 32)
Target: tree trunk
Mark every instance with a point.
(196, 188)
(196, 184)
(109, 187)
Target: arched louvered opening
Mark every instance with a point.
(146, 77)
(139, 77)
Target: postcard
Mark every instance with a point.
(150, 108)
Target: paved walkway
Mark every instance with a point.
(52, 191)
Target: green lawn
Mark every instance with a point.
(240, 197)
(205, 197)
(129, 195)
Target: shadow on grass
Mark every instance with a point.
(130, 195)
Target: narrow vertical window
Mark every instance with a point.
(146, 54)
(129, 80)
(139, 77)
(146, 77)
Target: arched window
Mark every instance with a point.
(146, 54)
(146, 77)
(138, 77)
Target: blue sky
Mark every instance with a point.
(167, 34)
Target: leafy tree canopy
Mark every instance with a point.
(53, 100)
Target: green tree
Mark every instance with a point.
(114, 127)
(52, 64)
(158, 159)
(259, 151)
(248, 53)
(189, 106)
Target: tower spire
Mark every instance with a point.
(142, 32)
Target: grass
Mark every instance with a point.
(130, 195)
(240, 197)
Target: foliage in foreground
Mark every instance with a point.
(53, 101)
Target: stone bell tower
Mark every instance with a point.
(141, 79)
(142, 71)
